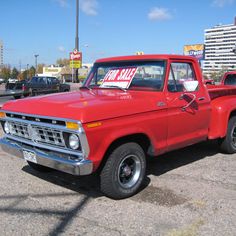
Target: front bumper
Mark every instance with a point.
(48, 159)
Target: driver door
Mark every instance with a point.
(188, 112)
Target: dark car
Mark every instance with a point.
(16, 88)
(45, 84)
(229, 78)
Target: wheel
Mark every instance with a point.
(17, 97)
(228, 143)
(124, 171)
(39, 168)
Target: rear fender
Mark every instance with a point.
(222, 109)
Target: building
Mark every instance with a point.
(220, 42)
(1, 53)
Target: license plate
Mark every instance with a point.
(29, 156)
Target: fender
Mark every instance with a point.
(222, 108)
(148, 124)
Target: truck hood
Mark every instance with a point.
(88, 106)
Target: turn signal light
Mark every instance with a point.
(2, 114)
(72, 125)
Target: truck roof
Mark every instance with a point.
(145, 57)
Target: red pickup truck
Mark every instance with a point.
(128, 109)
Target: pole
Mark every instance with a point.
(27, 72)
(77, 36)
(36, 63)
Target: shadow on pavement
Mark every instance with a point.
(89, 185)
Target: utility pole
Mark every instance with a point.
(36, 63)
(77, 36)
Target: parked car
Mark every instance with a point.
(2, 80)
(44, 85)
(129, 109)
(16, 88)
(229, 78)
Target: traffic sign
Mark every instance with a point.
(75, 64)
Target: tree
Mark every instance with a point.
(40, 68)
(63, 62)
(14, 73)
(31, 72)
(6, 72)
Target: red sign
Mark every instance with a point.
(121, 77)
(76, 56)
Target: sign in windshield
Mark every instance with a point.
(119, 77)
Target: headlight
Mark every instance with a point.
(74, 141)
(7, 127)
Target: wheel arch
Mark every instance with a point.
(139, 138)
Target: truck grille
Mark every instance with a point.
(38, 134)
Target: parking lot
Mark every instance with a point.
(188, 192)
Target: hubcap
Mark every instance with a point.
(129, 171)
(233, 136)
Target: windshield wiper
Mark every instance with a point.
(114, 86)
(86, 87)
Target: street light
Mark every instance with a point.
(77, 36)
(36, 63)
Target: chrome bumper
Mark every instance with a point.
(74, 167)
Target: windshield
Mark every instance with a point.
(230, 79)
(137, 75)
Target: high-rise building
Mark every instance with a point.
(1, 53)
(220, 43)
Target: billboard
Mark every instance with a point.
(195, 50)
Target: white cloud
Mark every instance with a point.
(222, 3)
(159, 14)
(61, 49)
(89, 7)
(62, 3)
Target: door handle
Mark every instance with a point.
(201, 99)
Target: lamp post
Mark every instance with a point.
(77, 36)
(36, 63)
(27, 72)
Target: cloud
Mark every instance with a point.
(89, 7)
(159, 14)
(61, 49)
(222, 3)
(62, 3)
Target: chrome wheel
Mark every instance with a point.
(129, 171)
(233, 136)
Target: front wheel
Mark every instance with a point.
(124, 171)
(228, 143)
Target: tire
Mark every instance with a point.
(17, 97)
(39, 168)
(124, 171)
(228, 143)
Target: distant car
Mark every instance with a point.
(44, 85)
(16, 88)
(208, 81)
(2, 80)
(229, 78)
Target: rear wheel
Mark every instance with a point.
(17, 96)
(228, 143)
(39, 168)
(124, 171)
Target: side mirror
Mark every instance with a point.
(191, 85)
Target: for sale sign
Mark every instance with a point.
(121, 77)
(75, 59)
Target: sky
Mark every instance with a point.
(106, 27)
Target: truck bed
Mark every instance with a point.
(216, 91)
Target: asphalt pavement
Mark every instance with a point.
(188, 192)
